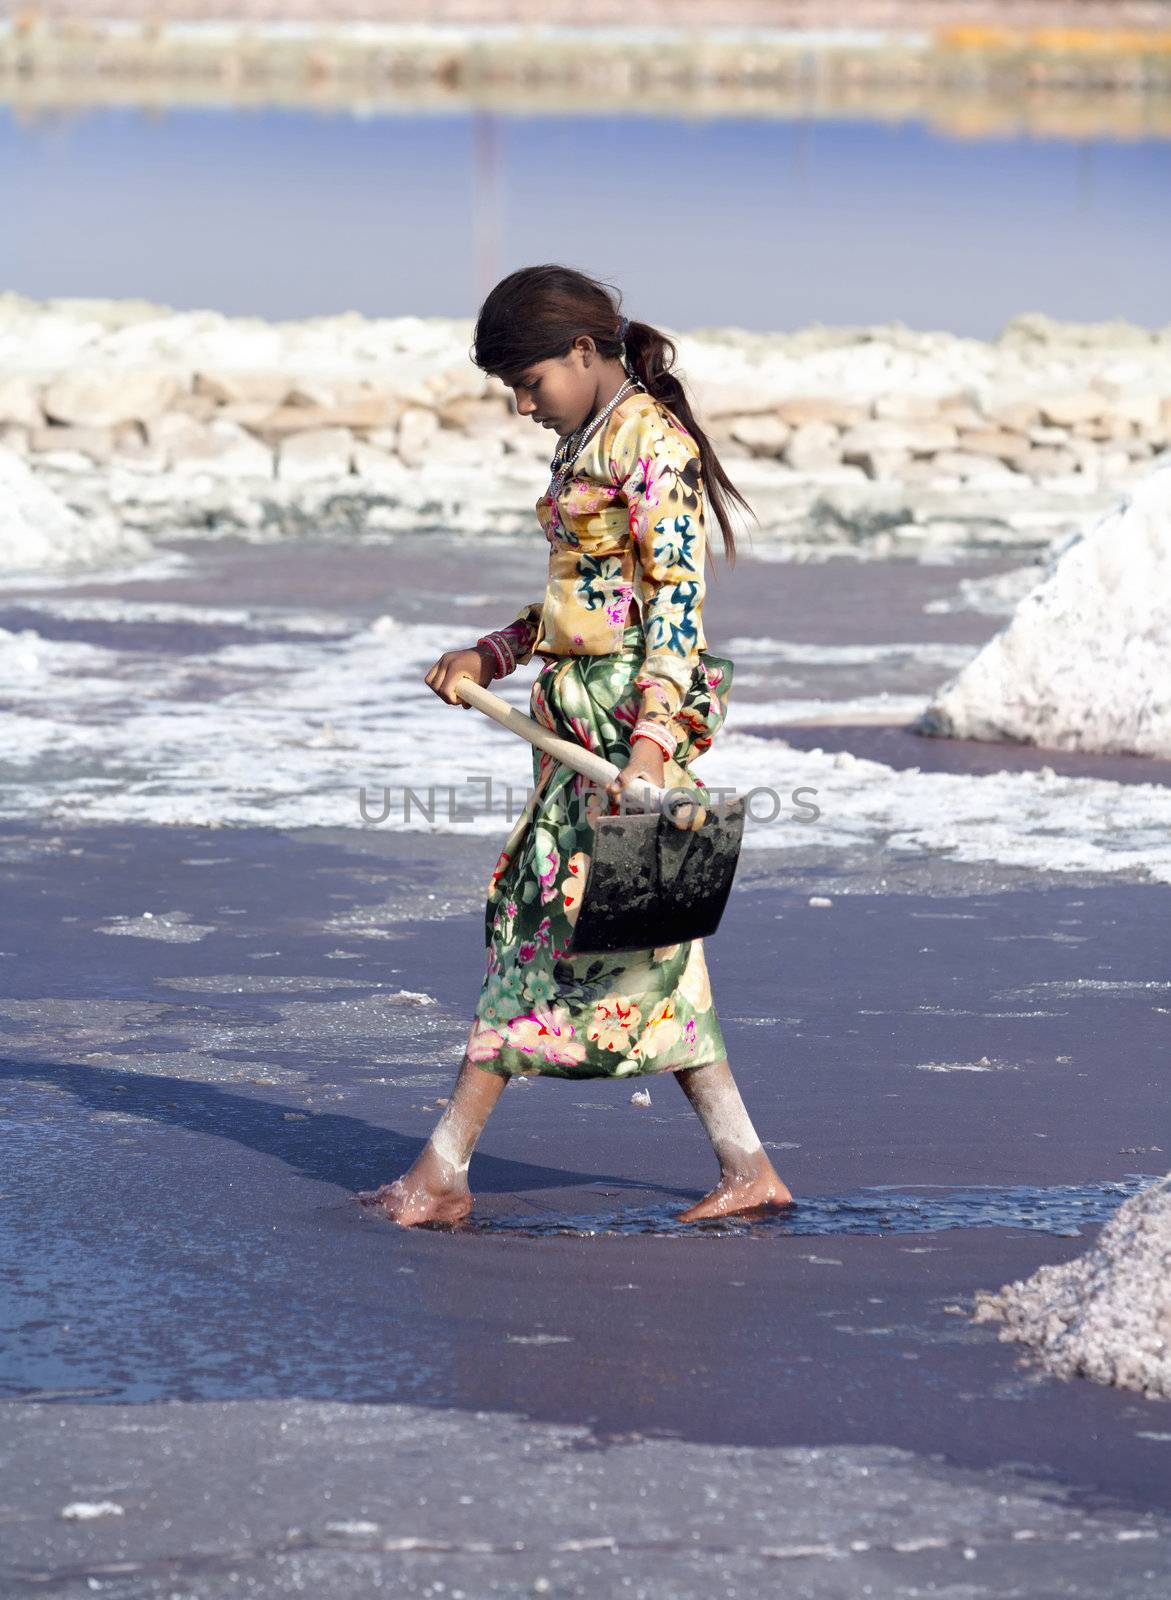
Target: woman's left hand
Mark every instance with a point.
(646, 763)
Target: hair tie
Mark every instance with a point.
(623, 324)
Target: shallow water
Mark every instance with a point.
(774, 222)
(1062, 1209)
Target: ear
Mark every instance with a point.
(586, 348)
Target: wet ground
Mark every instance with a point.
(201, 1322)
(221, 1377)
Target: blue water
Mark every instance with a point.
(1061, 1209)
(767, 224)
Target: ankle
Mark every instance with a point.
(438, 1172)
(744, 1166)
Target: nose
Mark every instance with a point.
(526, 407)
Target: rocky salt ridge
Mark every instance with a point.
(1084, 662)
(869, 440)
(39, 532)
(1107, 1314)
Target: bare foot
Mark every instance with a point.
(755, 1193)
(425, 1193)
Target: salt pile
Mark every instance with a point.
(1083, 664)
(40, 533)
(1107, 1314)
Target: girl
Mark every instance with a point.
(627, 675)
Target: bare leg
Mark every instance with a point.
(748, 1180)
(435, 1187)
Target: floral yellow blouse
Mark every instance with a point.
(626, 542)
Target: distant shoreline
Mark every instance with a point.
(973, 80)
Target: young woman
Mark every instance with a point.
(627, 674)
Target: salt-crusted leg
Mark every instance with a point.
(435, 1187)
(748, 1180)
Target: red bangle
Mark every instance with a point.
(502, 665)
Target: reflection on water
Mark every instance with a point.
(1062, 1209)
(766, 222)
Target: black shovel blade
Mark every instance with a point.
(651, 883)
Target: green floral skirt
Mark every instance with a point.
(625, 1014)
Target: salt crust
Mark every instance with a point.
(1083, 663)
(1107, 1314)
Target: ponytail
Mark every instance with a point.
(651, 357)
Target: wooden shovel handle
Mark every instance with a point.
(644, 795)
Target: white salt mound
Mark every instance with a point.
(40, 533)
(1107, 1314)
(1084, 662)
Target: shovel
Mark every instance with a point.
(659, 874)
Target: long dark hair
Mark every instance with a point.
(537, 312)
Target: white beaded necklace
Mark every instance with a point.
(571, 447)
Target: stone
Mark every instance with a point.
(449, 448)
(218, 449)
(963, 414)
(1082, 664)
(1048, 461)
(914, 438)
(1136, 449)
(465, 381)
(249, 414)
(316, 453)
(884, 464)
(995, 442)
(967, 466)
(491, 416)
(20, 402)
(199, 406)
(721, 398)
(381, 468)
(96, 444)
(763, 435)
(97, 398)
(383, 438)
(64, 461)
(903, 407)
(812, 447)
(801, 410)
(139, 455)
(175, 429)
(1141, 410)
(335, 394)
(1078, 406)
(225, 387)
(1017, 416)
(374, 412)
(1102, 429)
(533, 444)
(416, 429)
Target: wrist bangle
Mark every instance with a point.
(497, 656)
(657, 736)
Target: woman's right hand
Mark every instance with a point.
(448, 668)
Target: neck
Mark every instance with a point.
(609, 385)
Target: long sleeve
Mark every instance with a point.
(512, 646)
(656, 463)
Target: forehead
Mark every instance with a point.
(526, 374)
